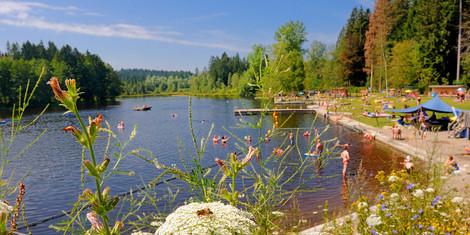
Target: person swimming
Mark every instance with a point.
(215, 139)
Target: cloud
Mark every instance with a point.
(22, 14)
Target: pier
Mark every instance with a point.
(244, 112)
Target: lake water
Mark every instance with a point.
(55, 160)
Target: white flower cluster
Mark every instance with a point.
(430, 190)
(362, 205)
(418, 193)
(457, 200)
(393, 178)
(141, 233)
(373, 220)
(222, 219)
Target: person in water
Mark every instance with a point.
(291, 138)
(266, 138)
(408, 165)
(224, 139)
(248, 139)
(215, 139)
(319, 148)
(346, 157)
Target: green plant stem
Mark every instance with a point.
(92, 156)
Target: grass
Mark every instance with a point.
(354, 107)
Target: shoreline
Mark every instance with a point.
(414, 147)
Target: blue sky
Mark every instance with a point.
(168, 35)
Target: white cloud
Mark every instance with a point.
(22, 14)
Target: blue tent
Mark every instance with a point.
(435, 105)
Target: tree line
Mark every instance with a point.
(401, 43)
(145, 81)
(20, 63)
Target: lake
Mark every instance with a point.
(55, 160)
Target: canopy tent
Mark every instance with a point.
(435, 105)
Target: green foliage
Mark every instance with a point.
(100, 202)
(292, 36)
(97, 79)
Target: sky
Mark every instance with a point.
(168, 35)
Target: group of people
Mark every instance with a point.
(222, 139)
(120, 125)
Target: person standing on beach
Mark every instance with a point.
(345, 156)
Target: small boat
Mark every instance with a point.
(143, 108)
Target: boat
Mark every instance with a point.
(143, 108)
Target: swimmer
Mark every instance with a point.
(248, 139)
(306, 133)
(174, 115)
(291, 137)
(346, 157)
(225, 139)
(408, 164)
(215, 139)
(319, 147)
(203, 121)
(266, 138)
(316, 131)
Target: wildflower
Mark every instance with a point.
(277, 213)
(225, 219)
(420, 211)
(156, 223)
(362, 205)
(430, 190)
(383, 206)
(96, 225)
(381, 196)
(394, 195)
(420, 226)
(410, 186)
(415, 216)
(395, 231)
(388, 214)
(249, 155)
(373, 232)
(436, 200)
(373, 220)
(457, 200)
(67, 98)
(458, 211)
(392, 178)
(59, 93)
(418, 193)
(221, 163)
(431, 228)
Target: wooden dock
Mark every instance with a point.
(244, 112)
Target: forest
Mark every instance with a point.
(399, 44)
(21, 63)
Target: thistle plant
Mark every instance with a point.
(100, 201)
